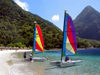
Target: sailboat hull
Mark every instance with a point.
(63, 64)
(70, 63)
(55, 63)
(39, 59)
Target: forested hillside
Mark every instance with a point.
(16, 27)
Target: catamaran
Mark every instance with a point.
(69, 43)
(38, 43)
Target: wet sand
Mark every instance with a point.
(7, 62)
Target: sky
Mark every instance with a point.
(53, 10)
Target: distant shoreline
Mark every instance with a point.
(52, 49)
(86, 48)
(55, 49)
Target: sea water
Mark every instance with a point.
(90, 64)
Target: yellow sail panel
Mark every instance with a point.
(38, 40)
(69, 46)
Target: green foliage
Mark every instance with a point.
(10, 45)
(16, 45)
(85, 43)
(1, 45)
(16, 27)
(19, 45)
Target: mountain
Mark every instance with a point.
(16, 27)
(87, 24)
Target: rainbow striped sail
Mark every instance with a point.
(38, 39)
(69, 37)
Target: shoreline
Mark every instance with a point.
(6, 61)
(53, 49)
(77, 49)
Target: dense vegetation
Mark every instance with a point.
(16, 29)
(87, 24)
(85, 43)
(16, 26)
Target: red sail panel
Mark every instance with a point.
(40, 34)
(38, 47)
(70, 36)
(39, 39)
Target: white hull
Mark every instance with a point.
(39, 59)
(69, 63)
(55, 63)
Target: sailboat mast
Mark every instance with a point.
(34, 38)
(63, 36)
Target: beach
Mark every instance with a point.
(6, 61)
(13, 63)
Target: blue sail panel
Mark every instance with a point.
(34, 39)
(65, 35)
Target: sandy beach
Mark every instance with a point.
(12, 63)
(6, 61)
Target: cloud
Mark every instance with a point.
(55, 17)
(23, 5)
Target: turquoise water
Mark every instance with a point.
(89, 66)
